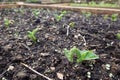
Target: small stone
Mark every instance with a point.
(33, 76)
(107, 66)
(60, 75)
(52, 68)
(89, 74)
(10, 68)
(76, 36)
(47, 35)
(110, 75)
(21, 74)
(25, 37)
(29, 43)
(44, 54)
(9, 32)
(3, 78)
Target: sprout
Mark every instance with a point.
(88, 14)
(36, 12)
(72, 24)
(59, 17)
(105, 17)
(118, 36)
(81, 55)
(31, 35)
(114, 17)
(7, 22)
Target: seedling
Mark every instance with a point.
(21, 11)
(105, 17)
(59, 17)
(36, 12)
(88, 14)
(31, 35)
(72, 24)
(114, 17)
(81, 55)
(118, 35)
(7, 22)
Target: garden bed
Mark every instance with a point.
(46, 55)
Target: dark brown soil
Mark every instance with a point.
(46, 56)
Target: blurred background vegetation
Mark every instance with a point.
(112, 3)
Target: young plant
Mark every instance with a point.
(36, 12)
(72, 24)
(106, 17)
(118, 36)
(59, 17)
(31, 35)
(114, 17)
(7, 22)
(81, 55)
(88, 14)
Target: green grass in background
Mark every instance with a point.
(94, 4)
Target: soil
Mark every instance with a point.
(46, 56)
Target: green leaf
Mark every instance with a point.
(88, 55)
(75, 51)
(118, 35)
(72, 24)
(31, 35)
(114, 17)
(81, 55)
(59, 17)
(68, 55)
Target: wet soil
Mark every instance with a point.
(46, 56)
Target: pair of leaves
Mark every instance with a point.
(59, 17)
(31, 35)
(114, 17)
(81, 55)
(7, 22)
(118, 36)
(36, 12)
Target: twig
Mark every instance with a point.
(1, 75)
(25, 65)
(25, 46)
(67, 30)
(83, 37)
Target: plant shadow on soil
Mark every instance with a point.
(46, 56)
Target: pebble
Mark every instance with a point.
(10, 68)
(52, 68)
(29, 43)
(21, 74)
(44, 54)
(107, 66)
(60, 76)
